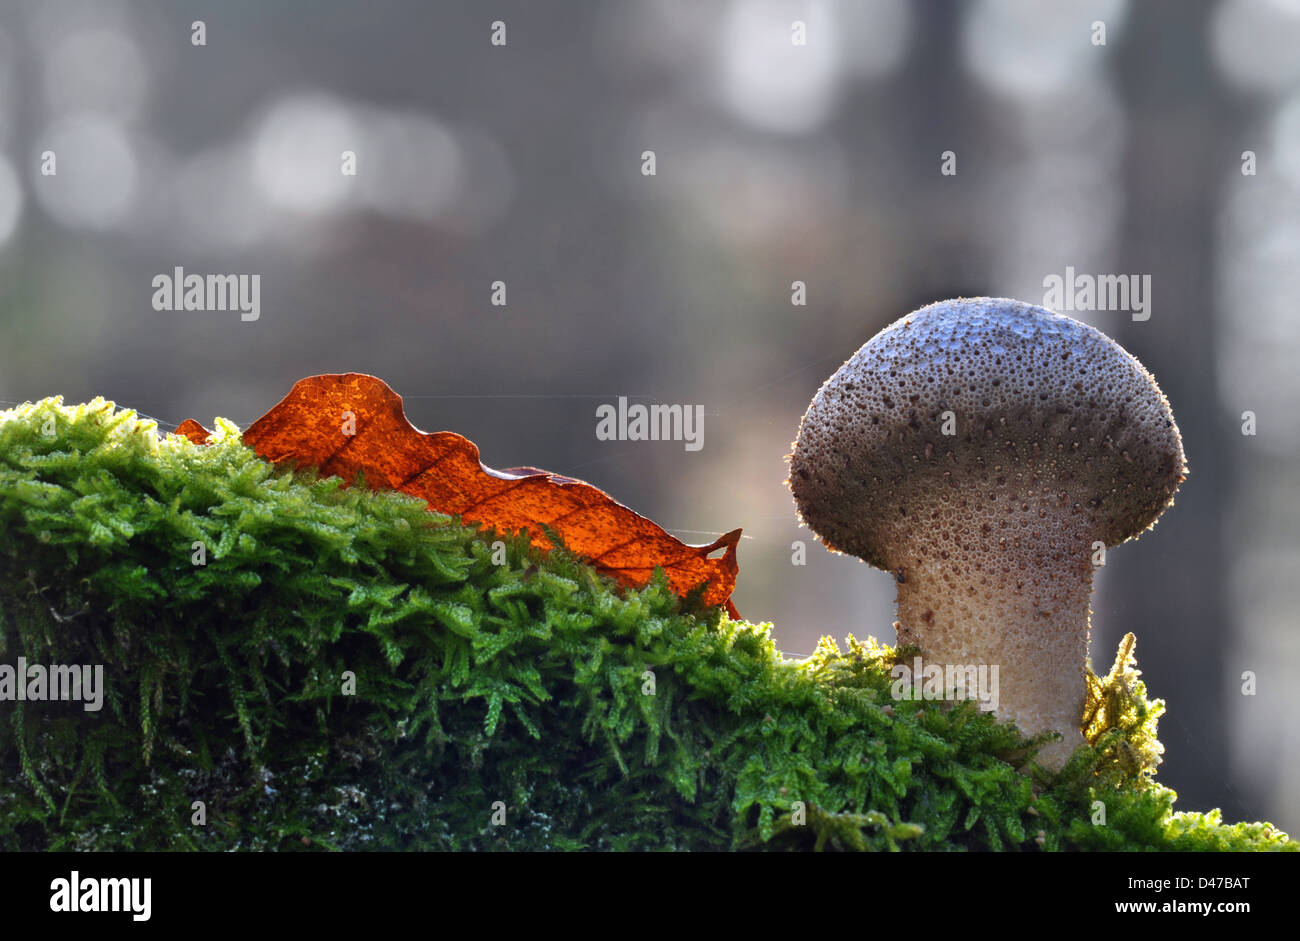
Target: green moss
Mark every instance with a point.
(599, 718)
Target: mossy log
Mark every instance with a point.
(298, 663)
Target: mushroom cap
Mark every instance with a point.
(1050, 416)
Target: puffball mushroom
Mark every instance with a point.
(983, 450)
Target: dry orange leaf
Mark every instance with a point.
(192, 430)
(311, 425)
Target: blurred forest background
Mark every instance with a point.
(775, 162)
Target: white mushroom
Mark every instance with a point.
(1060, 441)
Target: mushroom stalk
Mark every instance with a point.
(1029, 619)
